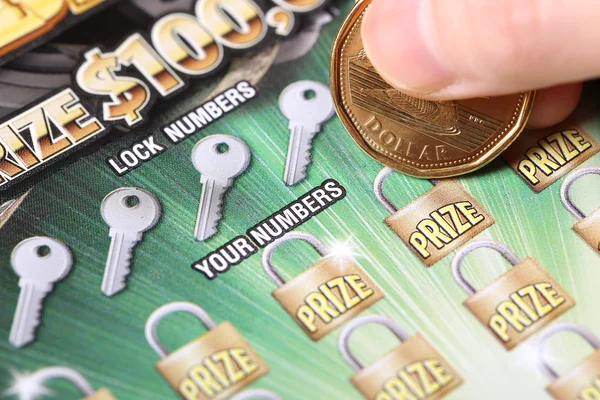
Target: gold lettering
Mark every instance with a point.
(46, 141)
(204, 379)
(540, 308)
(359, 286)
(577, 140)
(513, 316)
(432, 231)
(188, 389)
(562, 145)
(458, 224)
(233, 375)
(528, 169)
(419, 242)
(216, 372)
(553, 153)
(430, 386)
(499, 325)
(325, 289)
(444, 224)
(550, 294)
(340, 283)
(541, 160)
(397, 390)
(243, 359)
(321, 306)
(518, 300)
(439, 372)
(470, 212)
(306, 316)
(240, 24)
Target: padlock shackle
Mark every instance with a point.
(567, 185)
(267, 256)
(69, 374)
(257, 394)
(582, 331)
(378, 189)
(167, 309)
(459, 258)
(344, 341)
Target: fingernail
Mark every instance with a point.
(395, 42)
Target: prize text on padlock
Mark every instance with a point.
(543, 156)
(214, 366)
(581, 382)
(328, 294)
(520, 303)
(440, 221)
(414, 370)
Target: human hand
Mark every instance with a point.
(455, 49)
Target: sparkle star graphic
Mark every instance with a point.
(26, 386)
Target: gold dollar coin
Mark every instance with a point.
(427, 139)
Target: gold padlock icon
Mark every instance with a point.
(581, 382)
(255, 394)
(45, 374)
(588, 227)
(517, 304)
(413, 370)
(437, 223)
(197, 370)
(327, 294)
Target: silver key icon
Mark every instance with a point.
(129, 212)
(220, 159)
(307, 105)
(40, 262)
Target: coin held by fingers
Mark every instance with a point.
(423, 138)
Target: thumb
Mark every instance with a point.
(453, 49)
